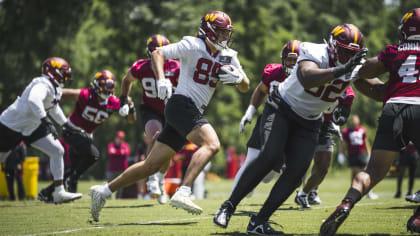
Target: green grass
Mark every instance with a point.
(139, 217)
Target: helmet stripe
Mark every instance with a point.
(407, 16)
(159, 39)
(356, 32)
(293, 45)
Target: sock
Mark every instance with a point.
(107, 191)
(59, 188)
(353, 196)
(301, 192)
(185, 188)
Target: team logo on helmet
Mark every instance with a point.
(216, 27)
(58, 71)
(344, 42)
(289, 55)
(155, 41)
(104, 84)
(409, 28)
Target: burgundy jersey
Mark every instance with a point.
(90, 112)
(346, 99)
(273, 75)
(142, 70)
(403, 64)
(355, 140)
(410, 148)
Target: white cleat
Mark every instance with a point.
(98, 200)
(61, 196)
(182, 199)
(372, 195)
(153, 187)
(163, 198)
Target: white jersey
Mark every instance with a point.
(38, 98)
(198, 68)
(311, 103)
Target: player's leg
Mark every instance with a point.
(53, 149)
(412, 172)
(401, 171)
(251, 155)
(9, 140)
(10, 177)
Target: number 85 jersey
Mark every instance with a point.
(311, 103)
(142, 70)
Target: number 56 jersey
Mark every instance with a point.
(142, 71)
(199, 68)
(311, 103)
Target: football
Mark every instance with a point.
(226, 67)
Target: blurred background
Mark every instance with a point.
(93, 35)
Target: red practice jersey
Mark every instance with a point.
(142, 70)
(273, 75)
(403, 64)
(90, 112)
(355, 140)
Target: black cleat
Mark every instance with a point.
(398, 194)
(313, 198)
(71, 184)
(413, 224)
(261, 227)
(302, 201)
(45, 195)
(331, 224)
(222, 216)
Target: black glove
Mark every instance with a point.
(70, 129)
(341, 114)
(49, 127)
(351, 64)
(123, 100)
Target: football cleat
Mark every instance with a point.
(331, 224)
(61, 196)
(302, 201)
(45, 195)
(413, 224)
(223, 215)
(398, 195)
(372, 195)
(163, 198)
(182, 199)
(260, 227)
(71, 184)
(153, 186)
(98, 199)
(313, 198)
(413, 197)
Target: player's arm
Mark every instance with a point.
(372, 88)
(164, 86)
(257, 97)
(310, 75)
(367, 145)
(70, 94)
(35, 100)
(243, 86)
(127, 83)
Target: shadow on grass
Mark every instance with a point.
(158, 223)
(121, 207)
(234, 233)
(399, 207)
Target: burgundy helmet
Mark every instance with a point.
(58, 70)
(156, 41)
(104, 84)
(345, 41)
(211, 24)
(409, 28)
(290, 49)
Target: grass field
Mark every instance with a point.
(385, 215)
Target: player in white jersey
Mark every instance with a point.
(26, 120)
(205, 61)
(291, 120)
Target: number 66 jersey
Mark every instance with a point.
(311, 103)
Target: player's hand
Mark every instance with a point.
(247, 118)
(341, 114)
(341, 158)
(356, 60)
(124, 110)
(230, 75)
(69, 129)
(164, 88)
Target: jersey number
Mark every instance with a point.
(202, 72)
(94, 115)
(149, 86)
(324, 92)
(408, 70)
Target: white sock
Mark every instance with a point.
(161, 176)
(251, 155)
(107, 190)
(59, 188)
(185, 188)
(301, 192)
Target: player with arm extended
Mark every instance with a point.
(399, 121)
(201, 58)
(151, 108)
(26, 119)
(93, 107)
(292, 118)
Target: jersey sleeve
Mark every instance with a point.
(173, 66)
(311, 52)
(347, 97)
(58, 115)
(113, 103)
(237, 64)
(179, 49)
(271, 72)
(35, 100)
(387, 56)
(135, 69)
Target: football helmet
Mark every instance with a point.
(289, 55)
(409, 28)
(104, 84)
(155, 41)
(344, 42)
(58, 70)
(217, 28)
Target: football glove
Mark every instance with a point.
(231, 75)
(341, 114)
(164, 88)
(247, 118)
(124, 108)
(69, 129)
(351, 64)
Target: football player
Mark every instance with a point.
(93, 106)
(273, 75)
(26, 119)
(151, 107)
(205, 61)
(400, 119)
(291, 120)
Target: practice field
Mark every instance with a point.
(385, 215)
